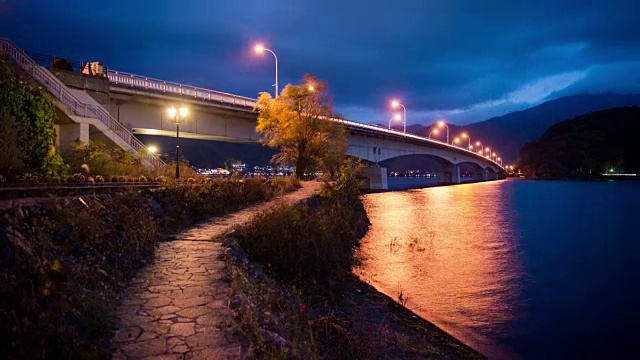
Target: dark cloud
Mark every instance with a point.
(465, 60)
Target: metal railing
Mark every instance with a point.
(146, 83)
(126, 79)
(379, 129)
(60, 92)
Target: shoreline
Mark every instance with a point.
(368, 191)
(370, 319)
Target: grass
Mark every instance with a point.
(63, 262)
(295, 296)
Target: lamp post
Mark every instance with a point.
(500, 161)
(479, 144)
(395, 117)
(466, 136)
(493, 156)
(434, 131)
(260, 49)
(455, 141)
(394, 105)
(441, 124)
(177, 116)
(152, 149)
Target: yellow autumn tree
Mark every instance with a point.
(298, 123)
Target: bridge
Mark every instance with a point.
(104, 104)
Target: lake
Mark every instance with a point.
(516, 269)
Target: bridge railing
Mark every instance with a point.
(382, 129)
(62, 94)
(136, 81)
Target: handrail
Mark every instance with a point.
(147, 83)
(60, 92)
(412, 136)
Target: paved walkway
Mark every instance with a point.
(177, 306)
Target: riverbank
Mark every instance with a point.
(294, 294)
(65, 260)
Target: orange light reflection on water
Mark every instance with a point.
(452, 252)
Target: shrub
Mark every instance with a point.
(308, 244)
(142, 179)
(99, 178)
(285, 184)
(187, 204)
(61, 266)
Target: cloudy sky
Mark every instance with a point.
(463, 60)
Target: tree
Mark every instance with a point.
(298, 123)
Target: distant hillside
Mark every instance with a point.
(508, 133)
(586, 146)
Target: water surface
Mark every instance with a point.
(515, 268)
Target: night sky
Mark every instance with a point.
(462, 60)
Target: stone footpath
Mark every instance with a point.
(177, 306)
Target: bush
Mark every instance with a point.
(60, 268)
(284, 184)
(27, 117)
(99, 158)
(309, 244)
(188, 204)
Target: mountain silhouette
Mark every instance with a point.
(508, 133)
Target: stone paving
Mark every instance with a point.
(177, 306)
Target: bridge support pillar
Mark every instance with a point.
(480, 175)
(68, 134)
(449, 175)
(374, 178)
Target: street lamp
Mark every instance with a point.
(493, 156)
(500, 161)
(394, 105)
(466, 136)
(479, 144)
(152, 149)
(441, 124)
(395, 117)
(260, 49)
(434, 131)
(177, 116)
(455, 141)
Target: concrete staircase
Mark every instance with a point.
(83, 111)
